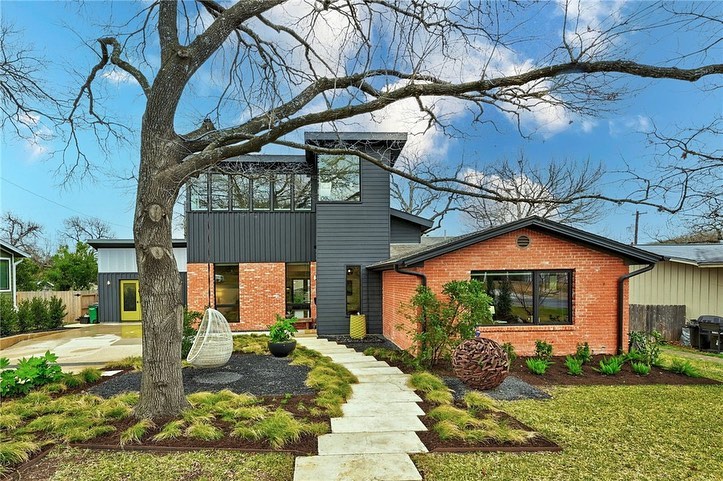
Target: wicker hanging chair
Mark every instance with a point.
(213, 344)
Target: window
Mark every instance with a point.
(529, 297)
(198, 192)
(240, 192)
(282, 191)
(339, 178)
(219, 192)
(261, 187)
(226, 291)
(4, 274)
(353, 290)
(302, 192)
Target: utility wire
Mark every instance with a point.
(59, 204)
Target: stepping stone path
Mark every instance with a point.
(373, 439)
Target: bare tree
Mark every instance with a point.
(79, 229)
(542, 187)
(26, 235)
(289, 66)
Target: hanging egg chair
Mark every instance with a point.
(213, 344)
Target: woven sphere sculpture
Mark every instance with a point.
(480, 363)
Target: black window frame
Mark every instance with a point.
(536, 278)
(203, 178)
(359, 181)
(348, 289)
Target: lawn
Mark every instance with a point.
(652, 432)
(712, 368)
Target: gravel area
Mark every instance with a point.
(511, 389)
(361, 344)
(244, 373)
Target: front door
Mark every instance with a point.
(130, 301)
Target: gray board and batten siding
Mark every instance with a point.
(250, 237)
(354, 233)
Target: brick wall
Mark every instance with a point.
(595, 279)
(397, 291)
(197, 287)
(262, 294)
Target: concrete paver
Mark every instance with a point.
(368, 467)
(367, 408)
(370, 443)
(377, 424)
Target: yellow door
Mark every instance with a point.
(130, 301)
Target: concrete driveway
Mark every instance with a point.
(81, 347)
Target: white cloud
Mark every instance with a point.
(118, 77)
(635, 123)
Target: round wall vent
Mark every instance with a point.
(523, 241)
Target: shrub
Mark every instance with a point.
(283, 329)
(583, 352)
(30, 373)
(574, 365)
(8, 316)
(543, 350)
(611, 366)
(646, 344)
(56, 312)
(439, 326)
(25, 316)
(510, 350)
(637, 356)
(189, 332)
(640, 368)
(39, 313)
(538, 366)
(685, 368)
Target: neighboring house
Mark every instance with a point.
(550, 282)
(690, 275)
(118, 298)
(10, 257)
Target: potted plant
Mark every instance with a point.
(281, 333)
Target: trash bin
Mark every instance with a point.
(93, 314)
(357, 326)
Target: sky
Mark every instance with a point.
(33, 186)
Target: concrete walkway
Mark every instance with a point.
(373, 439)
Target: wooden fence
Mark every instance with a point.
(667, 320)
(76, 302)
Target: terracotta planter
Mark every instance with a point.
(282, 349)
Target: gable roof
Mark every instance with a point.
(425, 224)
(629, 252)
(12, 249)
(701, 255)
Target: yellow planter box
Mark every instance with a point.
(358, 326)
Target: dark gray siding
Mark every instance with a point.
(251, 237)
(403, 231)
(109, 294)
(352, 234)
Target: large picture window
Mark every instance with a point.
(353, 290)
(240, 192)
(529, 297)
(282, 191)
(219, 192)
(302, 192)
(261, 188)
(339, 178)
(199, 193)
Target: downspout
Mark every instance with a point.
(621, 298)
(423, 278)
(15, 281)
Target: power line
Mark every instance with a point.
(59, 204)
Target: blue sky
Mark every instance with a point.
(31, 186)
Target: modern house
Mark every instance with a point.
(118, 298)
(691, 275)
(314, 236)
(10, 257)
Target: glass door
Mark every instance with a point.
(130, 301)
(298, 290)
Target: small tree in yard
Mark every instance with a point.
(73, 270)
(438, 326)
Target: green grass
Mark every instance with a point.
(433, 388)
(131, 362)
(711, 369)
(332, 381)
(251, 344)
(608, 433)
(87, 465)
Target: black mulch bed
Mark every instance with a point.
(244, 373)
(360, 345)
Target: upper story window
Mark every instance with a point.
(262, 192)
(529, 297)
(198, 193)
(339, 178)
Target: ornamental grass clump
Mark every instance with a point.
(538, 366)
(640, 368)
(611, 366)
(133, 434)
(433, 388)
(685, 368)
(574, 365)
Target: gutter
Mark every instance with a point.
(621, 297)
(411, 273)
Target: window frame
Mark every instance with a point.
(10, 273)
(536, 279)
(339, 201)
(195, 183)
(346, 290)
(233, 185)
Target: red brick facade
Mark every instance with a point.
(594, 298)
(262, 293)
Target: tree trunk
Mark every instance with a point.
(160, 285)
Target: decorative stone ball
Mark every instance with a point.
(480, 363)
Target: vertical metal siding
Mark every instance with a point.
(114, 259)
(251, 237)
(109, 293)
(672, 283)
(352, 234)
